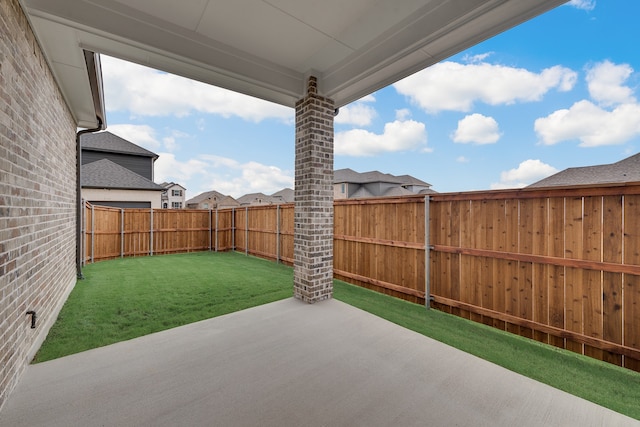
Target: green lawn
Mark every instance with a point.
(127, 298)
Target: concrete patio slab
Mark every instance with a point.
(289, 364)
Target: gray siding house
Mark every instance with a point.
(349, 184)
(105, 145)
(118, 173)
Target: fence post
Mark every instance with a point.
(83, 233)
(427, 258)
(210, 231)
(121, 233)
(246, 230)
(278, 234)
(233, 229)
(151, 233)
(93, 235)
(217, 229)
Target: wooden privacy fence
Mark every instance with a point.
(114, 233)
(561, 266)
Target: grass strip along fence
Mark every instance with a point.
(560, 265)
(127, 298)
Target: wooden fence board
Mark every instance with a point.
(540, 272)
(573, 276)
(592, 250)
(612, 235)
(556, 274)
(510, 274)
(631, 290)
(453, 212)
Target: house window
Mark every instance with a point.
(176, 205)
(164, 205)
(176, 193)
(342, 188)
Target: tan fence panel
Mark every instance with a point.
(556, 256)
(224, 231)
(137, 232)
(263, 231)
(241, 231)
(379, 244)
(286, 233)
(103, 233)
(181, 230)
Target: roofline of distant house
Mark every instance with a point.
(153, 156)
(102, 187)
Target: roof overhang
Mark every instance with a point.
(267, 48)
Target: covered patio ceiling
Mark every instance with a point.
(266, 48)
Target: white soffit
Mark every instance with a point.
(267, 48)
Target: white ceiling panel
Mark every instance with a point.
(185, 14)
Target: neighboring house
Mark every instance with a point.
(173, 195)
(108, 184)
(349, 184)
(118, 173)
(286, 194)
(105, 145)
(261, 199)
(211, 200)
(626, 170)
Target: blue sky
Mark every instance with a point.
(558, 91)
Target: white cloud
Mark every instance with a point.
(171, 141)
(142, 135)
(462, 159)
(526, 173)
(606, 84)
(403, 114)
(147, 92)
(167, 168)
(478, 129)
(357, 114)
(583, 4)
(456, 87)
(595, 125)
(479, 58)
(228, 176)
(397, 136)
(590, 124)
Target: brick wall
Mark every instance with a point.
(37, 196)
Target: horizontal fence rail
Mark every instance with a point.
(561, 266)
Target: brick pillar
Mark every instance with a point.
(313, 233)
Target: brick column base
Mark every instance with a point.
(313, 233)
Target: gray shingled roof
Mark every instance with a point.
(108, 142)
(350, 176)
(250, 198)
(626, 170)
(167, 185)
(204, 196)
(287, 195)
(107, 174)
